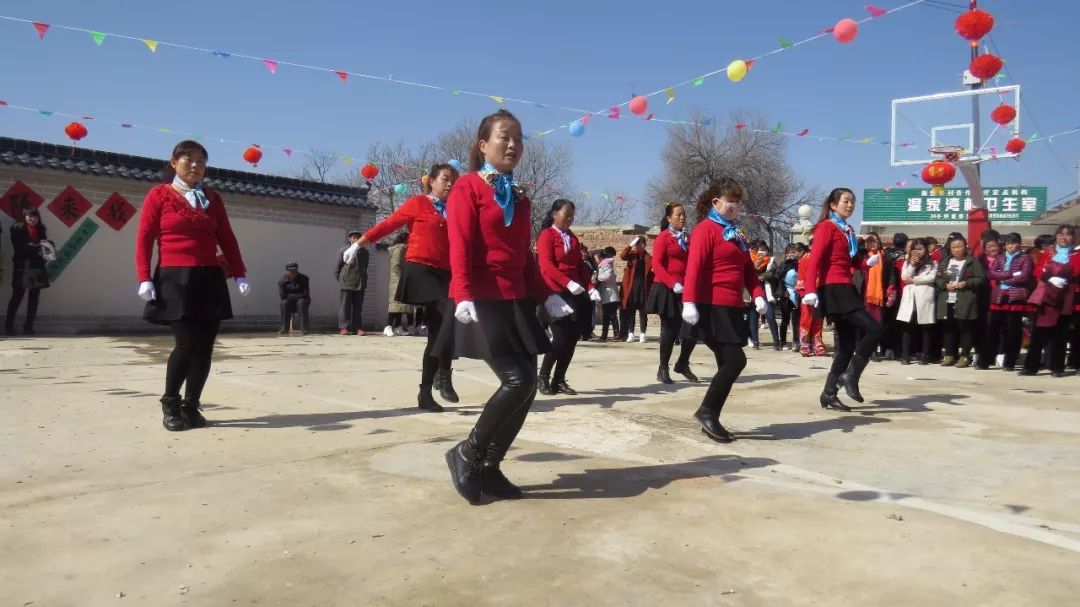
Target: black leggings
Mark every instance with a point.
(16, 301)
(610, 318)
(190, 358)
(628, 320)
(911, 330)
(957, 331)
(505, 411)
(848, 326)
(789, 313)
(564, 338)
(434, 315)
(669, 332)
(1056, 337)
(1007, 328)
(730, 362)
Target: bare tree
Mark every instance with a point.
(319, 165)
(608, 208)
(398, 165)
(705, 150)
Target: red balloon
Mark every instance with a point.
(369, 171)
(845, 30)
(76, 131)
(974, 24)
(253, 155)
(1003, 114)
(1015, 146)
(985, 67)
(639, 105)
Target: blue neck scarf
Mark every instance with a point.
(440, 206)
(731, 230)
(852, 241)
(1008, 262)
(504, 190)
(1062, 254)
(195, 196)
(681, 237)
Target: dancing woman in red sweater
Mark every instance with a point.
(188, 291)
(718, 270)
(425, 278)
(832, 293)
(670, 252)
(496, 285)
(558, 253)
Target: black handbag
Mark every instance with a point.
(35, 278)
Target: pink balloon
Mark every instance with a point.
(639, 104)
(845, 30)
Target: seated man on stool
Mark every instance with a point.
(295, 297)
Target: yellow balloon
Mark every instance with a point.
(736, 70)
(425, 180)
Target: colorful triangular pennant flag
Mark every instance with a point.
(343, 75)
(288, 152)
(41, 29)
(866, 140)
(875, 11)
(98, 37)
(778, 128)
(151, 44)
(585, 119)
(739, 125)
(270, 65)
(221, 54)
(347, 160)
(670, 94)
(698, 81)
(45, 112)
(786, 43)
(614, 113)
(649, 117)
(498, 99)
(803, 133)
(1033, 137)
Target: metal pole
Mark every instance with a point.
(973, 4)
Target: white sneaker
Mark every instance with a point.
(388, 332)
(641, 338)
(1000, 360)
(630, 337)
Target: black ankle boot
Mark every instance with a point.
(683, 368)
(170, 409)
(849, 379)
(465, 461)
(543, 385)
(425, 401)
(710, 425)
(828, 396)
(189, 410)
(445, 386)
(562, 387)
(494, 482)
(663, 376)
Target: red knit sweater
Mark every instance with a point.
(557, 265)
(186, 237)
(428, 240)
(488, 259)
(717, 270)
(830, 263)
(669, 260)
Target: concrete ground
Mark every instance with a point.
(319, 483)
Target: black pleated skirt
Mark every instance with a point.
(722, 325)
(838, 299)
(505, 328)
(422, 284)
(197, 293)
(664, 302)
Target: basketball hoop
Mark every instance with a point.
(948, 153)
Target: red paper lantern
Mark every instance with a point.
(937, 174)
(253, 155)
(1003, 114)
(76, 131)
(1015, 145)
(369, 171)
(985, 67)
(974, 24)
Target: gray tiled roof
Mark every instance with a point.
(96, 162)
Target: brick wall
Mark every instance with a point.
(598, 237)
(97, 291)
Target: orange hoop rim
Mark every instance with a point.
(951, 153)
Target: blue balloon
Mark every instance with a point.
(454, 162)
(400, 189)
(577, 128)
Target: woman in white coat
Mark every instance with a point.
(607, 282)
(917, 302)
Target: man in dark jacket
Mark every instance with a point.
(295, 291)
(351, 272)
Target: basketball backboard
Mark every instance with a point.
(920, 123)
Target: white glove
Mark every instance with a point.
(762, 307)
(350, 253)
(1058, 282)
(690, 314)
(594, 295)
(557, 307)
(677, 288)
(1017, 273)
(575, 288)
(243, 286)
(466, 312)
(874, 260)
(146, 291)
(810, 299)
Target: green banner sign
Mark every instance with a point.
(915, 205)
(71, 248)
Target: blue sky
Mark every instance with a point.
(589, 54)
